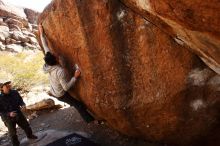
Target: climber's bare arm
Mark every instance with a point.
(43, 39)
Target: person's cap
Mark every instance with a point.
(4, 83)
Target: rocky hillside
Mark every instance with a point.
(17, 28)
(149, 68)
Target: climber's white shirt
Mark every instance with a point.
(58, 82)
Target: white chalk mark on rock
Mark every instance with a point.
(179, 41)
(197, 104)
(121, 14)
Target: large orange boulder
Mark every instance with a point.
(137, 77)
(194, 23)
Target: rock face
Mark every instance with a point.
(142, 80)
(193, 23)
(16, 33)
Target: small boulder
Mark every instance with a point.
(14, 48)
(4, 33)
(34, 26)
(44, 104)
(3, 23)
(10, 21)
(2, 47)
(9, 41)
(30, 46)
(13, 27)
(2, 38)
(23, 29)
(32, 40)
(17, 35)
(27, 33)
(13, 41)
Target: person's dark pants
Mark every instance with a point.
(80, 107)
(11, 125)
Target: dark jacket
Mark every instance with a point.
(10, 102)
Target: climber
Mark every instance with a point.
(58, 81)
(11, 105)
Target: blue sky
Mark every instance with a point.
(37, 5)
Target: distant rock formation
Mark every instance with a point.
(32, 16)
(140, 66)
(17, 28)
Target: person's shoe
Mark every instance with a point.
(32, 137)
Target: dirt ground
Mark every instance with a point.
(69, 120)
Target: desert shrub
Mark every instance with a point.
(24, 69)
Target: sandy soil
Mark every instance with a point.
(69, 120)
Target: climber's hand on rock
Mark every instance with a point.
(77, 73)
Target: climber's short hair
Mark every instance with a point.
(50, 59)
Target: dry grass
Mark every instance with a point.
(24, 69)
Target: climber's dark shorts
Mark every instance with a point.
(79, 106)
